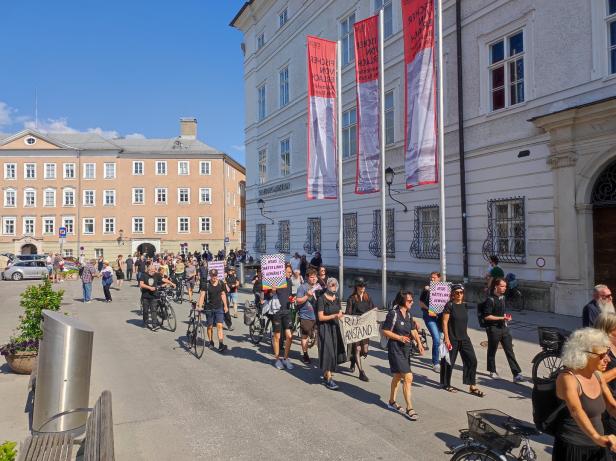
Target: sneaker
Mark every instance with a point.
(306, 359)
(279, 364)
(518, 378)
(363, 377)
(331, 385)
(222, 348)
(212, 345)
(436, 368)
(287, 364)
(494, 375)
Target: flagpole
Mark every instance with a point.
(382, 148)
(441, 143)
(339, 158)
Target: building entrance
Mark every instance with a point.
(604, 227)
(29, 249)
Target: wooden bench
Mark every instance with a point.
(57, 446)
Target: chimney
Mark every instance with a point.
(188, 128)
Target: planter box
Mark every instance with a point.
(22, 362)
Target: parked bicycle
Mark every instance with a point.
(165, 312)
(548, 362)
(195, 333)
(491, 436)
(513, 296)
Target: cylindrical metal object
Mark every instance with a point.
(63, 377)
(242, 275)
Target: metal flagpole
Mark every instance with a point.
(339, 157)
(441, 142)
(382, 148)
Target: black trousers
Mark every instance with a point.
(129, 274)
(107, 292)
(469, 362)
(500, 335)
(148, 305)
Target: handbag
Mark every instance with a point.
(271, 306)
(384, 340)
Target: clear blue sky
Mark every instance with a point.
(130, 66)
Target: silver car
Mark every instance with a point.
(26, 270)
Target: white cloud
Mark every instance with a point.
(239, 148)
(50, 125)
(6, 112)
(107, 134)
(135, 136)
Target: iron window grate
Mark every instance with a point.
(313, 235)
(506, 237)
(426, 233)
(375, 244)
(284, 237)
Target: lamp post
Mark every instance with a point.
(389, 180)
(261, 206)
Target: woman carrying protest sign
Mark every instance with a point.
(331, 346)
(400, 329)
(359, 303)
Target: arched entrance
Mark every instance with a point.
(146, 249)
(29, 249)
(604, 226)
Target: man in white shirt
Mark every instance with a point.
(295, 262)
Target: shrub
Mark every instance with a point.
(7, 451)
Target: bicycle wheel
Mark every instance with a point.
(255, 330)
(199, 343)
(545, 364)
(171, 320)
(515, 299)
(190, 334)
(475, 453)
(312, 339)
(179, 293)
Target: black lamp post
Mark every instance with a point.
(389, 180)
(261, 205)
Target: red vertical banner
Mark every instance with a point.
(367, 176)
(322, 168)
(420, 145)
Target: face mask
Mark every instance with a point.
(331, 292)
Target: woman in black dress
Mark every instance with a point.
(455, 330)
(607, 323)
(359, 303)
(399, 328)
(331, 347)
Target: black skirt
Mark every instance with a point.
(119, 275)
(565, 451)
(399, 356)
(331, 348)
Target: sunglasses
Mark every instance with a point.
(606, 296)
(458, 292)
(601, 355)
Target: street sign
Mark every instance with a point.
(227, 240)
(62, 231)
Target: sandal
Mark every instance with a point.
(394, 406)
(476, 392)
(451, 389)
(411, 414)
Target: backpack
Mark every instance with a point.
(481, 308)
(80, 271)
(548, 409)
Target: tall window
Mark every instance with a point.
(348, 41)
(388, 19)
(262, 166)
(109, 225)
(88, 226)
(30, 171)
(283, 18)
(69, 171)
(110, 198)
(29, 225)
(205, 167)
(138, 195)
(261, 238)
(68, 197)
(205, 195)
(89, 170)
(8, 225)
(260, 40)
(285, 157)
(611, 25)
(10, 171)
(138, 225)
(137, 168)
(89, 197)
(10, 198)
(161, 168)
(349, 234)
(507, 71)
(30, 198)
(161, 195)
(374, 245)
(284, 86)
(349, 133)
(69, 223)
(184, 195)
(284, 236)
(426, 235)
(261, 102)
(49, 225)
(50, 198)
(506, 230)
(183, 169)
(110, 170)
(313, 235)
(205, 224)
(183, 224)
(161, 225)
(389, 117)
(50, 171)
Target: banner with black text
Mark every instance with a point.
(354, 328)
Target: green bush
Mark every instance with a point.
(7, 451)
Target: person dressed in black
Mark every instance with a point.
(498, 333)
(215, 309)
(399, 328)
(257, 290)
(322, 279)
(281, 322)
(455, 330)
(331, 346)
(303, 266)
(316, 261)
(359, 303)
(148, 283)
(129, 268)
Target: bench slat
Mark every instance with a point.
(47, 447)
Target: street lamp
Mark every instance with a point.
(261, 205)
(389, 180)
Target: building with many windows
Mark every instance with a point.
(118, 196)
(530, 109)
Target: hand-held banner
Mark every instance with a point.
(322, 169)
(367, 175)
(272, 272)
(220, 268)
(354, 328)
(440, 294)
(420, 147)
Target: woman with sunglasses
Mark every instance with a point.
(400, 329)
(331, 347)
(580, 434)
(455, 331)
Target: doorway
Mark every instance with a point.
(147, 249)
(29, 249)
(604, 227)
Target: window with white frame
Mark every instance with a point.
(29, 225)
(137, 168)
(50, 198)
(507, 71)
(109, 225)
(89, 170)
(611, 27)
(88, 226)
(183, 195)
(138, 225)
(389, 118)
(50, 171)
(388, 19)
(161, 195)
(285, 157)
(67, 252)
(69, 223)
(49, 225)
(10, 198)
(138, 195)
(69, 171)
(10, 171)
(261, 112)
(205, 195)
(89, 197)
(161, 225)
(283, 17)
(183, 224)
(109, 198)
(183, 168)
(349, 133)
(30, 171)
(347, 39)
(283, 76)
(8, 225)
(98, 252)
(161, 168)
(68, 197)
(262, 166)
(260, 40)
(205, 224)
(30, 198)
(110, 170)
(205, 167)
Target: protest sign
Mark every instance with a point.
(272, 271)
(354, 328)
(219, 266)
(440, 293)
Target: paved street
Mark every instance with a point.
(169, 405)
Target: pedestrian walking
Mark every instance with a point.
(432, 321)
(494, 272)
(296, 281)
(601, 302)
(191, 278)
(303, 266)
(130, 262)
(233, 284)
(295, 262)
(107, 280)
(119, 270)
(359, 303)
(316, 260)
(306, 301)
(281, 323)
(100, 264)
(148, 283)
(215, 308)
(57, 268)
(87, 275)
(331, 346)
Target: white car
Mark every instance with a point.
(26, 270)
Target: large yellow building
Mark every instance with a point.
(118, 196)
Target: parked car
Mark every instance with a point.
(26, 270)
(30, 257)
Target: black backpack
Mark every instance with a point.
(481, 307)
(548, 409)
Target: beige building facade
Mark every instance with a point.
(118, 196)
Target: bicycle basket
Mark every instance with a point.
(551, 338)
(488, 427)
(250, 313)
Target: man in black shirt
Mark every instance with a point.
(215, 309)
(232, 284)
(148, 284)
(498, 332)
(281, 320)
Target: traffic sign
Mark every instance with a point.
(227, 240)
(62, 232)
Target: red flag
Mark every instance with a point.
(322, 168)
(420, 146)
(367, 89)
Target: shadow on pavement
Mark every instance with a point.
(520, 390)
(5, 369)
(246, 353)
(136, 322)
(448, 439)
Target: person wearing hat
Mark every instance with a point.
(359, 303)
(455, 330)
(232, 286)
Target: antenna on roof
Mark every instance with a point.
(35, 109)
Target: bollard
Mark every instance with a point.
(63, 376)
(242, 280)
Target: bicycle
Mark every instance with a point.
(296, 327)
(165, 310)
(195, 333)
(423, 336)
(548, 362)
(514, 296)
(179, 289)
(491, 436)
(259, 327)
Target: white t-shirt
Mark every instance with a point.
(295, 262)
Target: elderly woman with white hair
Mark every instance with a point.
(331, 347)
(580, 434)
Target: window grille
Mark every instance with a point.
(506, 230)
(604, 192)
(426, 233)
(375, 244)
(284, 237)
(261, 239)
(313, 235)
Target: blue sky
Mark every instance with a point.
(130, 67)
